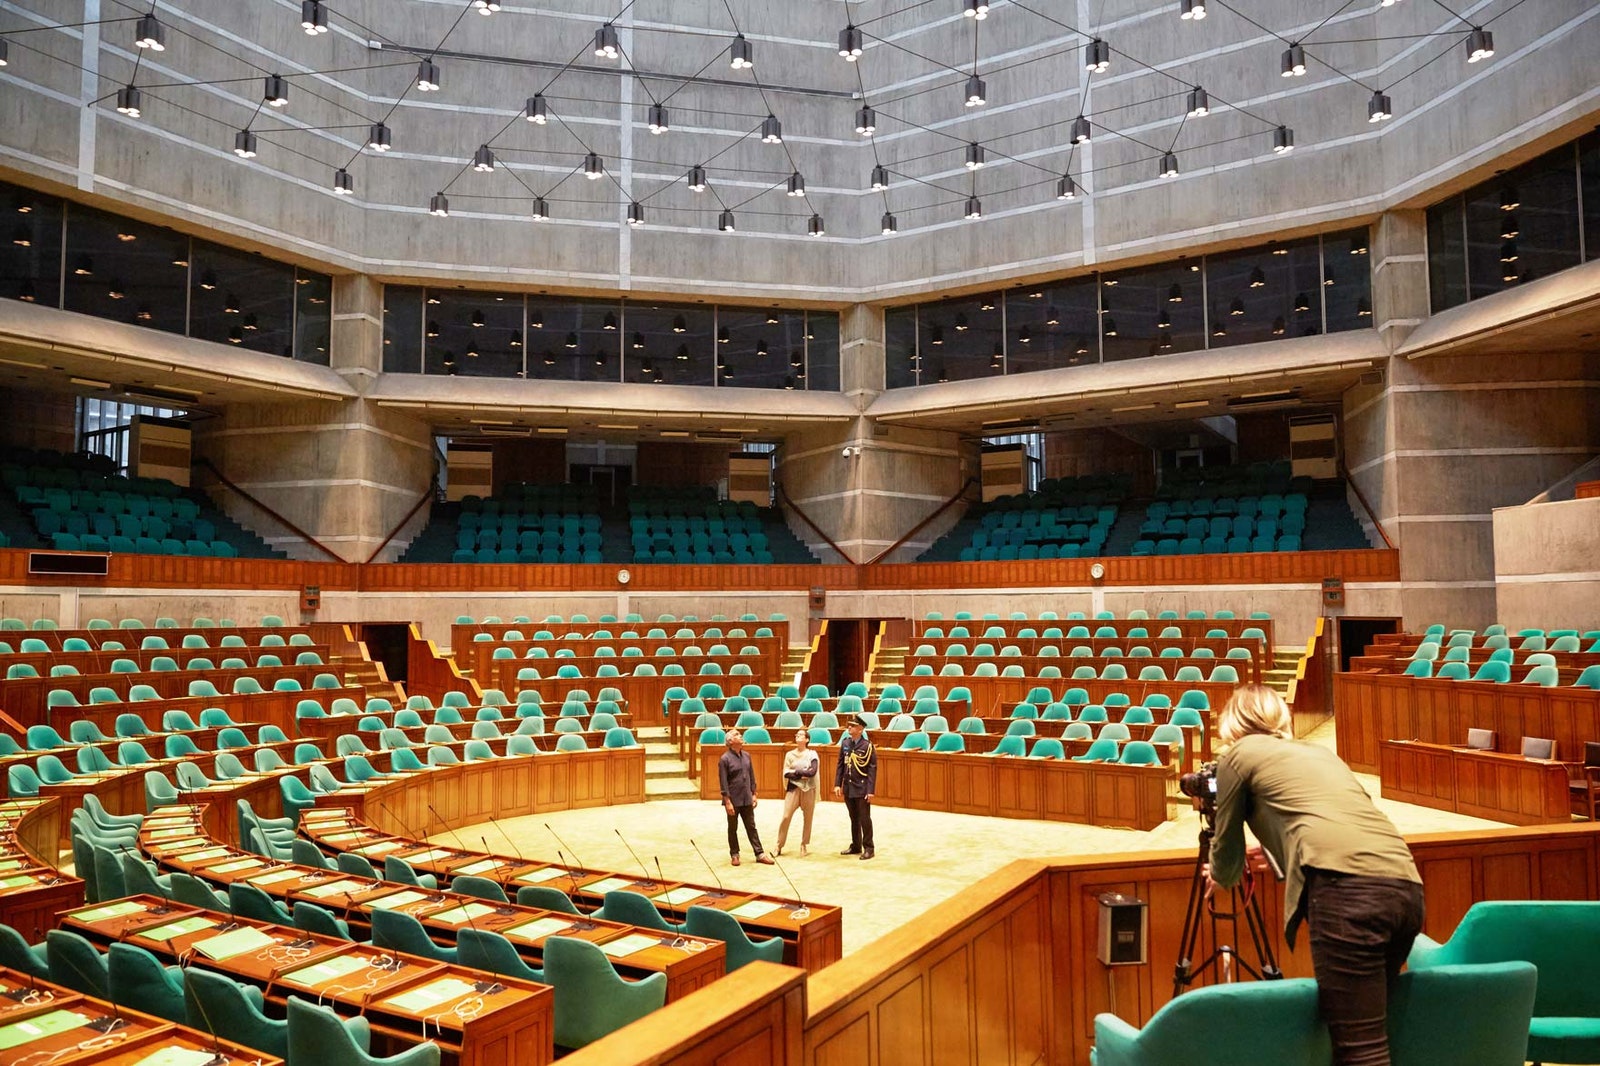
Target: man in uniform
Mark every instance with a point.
(856, 780)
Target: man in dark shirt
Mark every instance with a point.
(856, 779)
(738, 780)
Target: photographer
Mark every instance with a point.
(1348, 873)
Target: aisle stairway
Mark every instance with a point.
(666, 777)
(366, 673)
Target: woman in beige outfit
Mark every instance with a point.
(800, 781)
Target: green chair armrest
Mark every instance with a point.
(421, 1055)
(1426, 953)
(255, 996)
(1115, 1041)
(360, 1031)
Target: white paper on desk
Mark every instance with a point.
(404, 898)
(756, 908)
(338, 888)
(539, 877)
(608, 884)
(467, 912)
(380, 847)
(429, 856)
(627, 945)
(430, 995)
(275, 877)
(677, 897)
(538, 928)
(477, 867)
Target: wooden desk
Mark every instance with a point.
(32, 888)
(478, 655)
(477, 1025)
(267, 708)
(1484, 784)
(995, 696)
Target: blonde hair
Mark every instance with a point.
(1254, 709)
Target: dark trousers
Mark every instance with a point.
(1361, 930)
(860, 808)
(748, 814)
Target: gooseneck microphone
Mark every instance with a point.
(646, 883)
(720, 893)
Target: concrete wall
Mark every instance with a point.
(1446, 440)
(1547, 564)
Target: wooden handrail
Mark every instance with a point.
(1367, 507)
(433, 487)
(962, 491)
(296, 530)
(783, 497)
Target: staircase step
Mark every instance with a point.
(670, 788)
(667, 769)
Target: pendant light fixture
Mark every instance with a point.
(880, 178)
(1080, 130)
(636, 214)
(740, 55)
(538, 111)
(1066, 188)
(888, 225)
(725, 222)
(313, 17)
(593, 168)
(771, 130)
(1379, 109)
(1199, 103)
(343, 183)
(1282, 140)
(1097, 56)
(150, 34)
(697, 178)
(866, 121)
(797, 185)
(975, 156)
(378, 137)
(244, 144)
(427, 76)
(850, 43)
(1293, 62)
(275, 91)
(977, 92)
(814, 226)
(658, 121)
(483, 160)
(605, 42)
(130, 101)
(541, 209)
(439, 205)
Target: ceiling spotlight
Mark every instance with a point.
(1279, 326)
(378, 137)
(961, 323)
(1258, 278)
(483, 160)
(797, 184)
(635, 214)
(1363, 308)
(538, 111)
(1097, 56)
(541, 209)
(1023, 335)
(343, 183)
(725, 223)
(571, 341)
(1066, 188)
(477, 319)
(1237, 307)
(427, 76)
(149, 33)
(274, 91)
(1052, 317)
(439, 205)
(609, 322)
(866, 121)
(1199, 103)
(1080, 130)
(976, 92)
(1282, 140)
(244, 144)
(1175, 294)
(1508, 227)
(723, 336)
(1378, 108)
(1192, 9)
(880, 178)
(771, 130)
(129, 101)
(605, 42)
(975, 156)
(1510, 274)
(697, 178)
(1110, 326)
(814, 226)
(974, 207)
(1169, 165)
(1163, 341)
(658, 119)
(638, 341)
(976, 9)
(850, 43)
(1480, 44)
(486, 7)
(1302, 303)
(593, 169)
(740, 55)
(1508, 252)
(888, 225)
(313, 19)
(84, 267)
(1293, 63)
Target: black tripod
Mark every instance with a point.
(1244, 902)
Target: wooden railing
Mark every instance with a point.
(1311, 691)
(428, 673)
(227, 483)
(783, 498)
(920, 526)
(817, 665)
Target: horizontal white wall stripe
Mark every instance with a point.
(1468, 453)
(322, 427)
(1497, 386)
(317, 483)
(886, 493)
(1539, 579)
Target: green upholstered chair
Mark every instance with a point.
(708, 923)
(1265, 1021)
(248, 901)
(1011, 745)
(483, 950)
(359, 865)
(401, 872)
(634, 908)
(158, 791)
(196, 893)
(551, 899)
(296, 795)
(591, 999)
(316, 1034)
(17, 954)
(216, 1003)
(304, 853)
(138, 980)
(481, 887)
(139, 878)
(1560, 938)
(75, 963)
(315, 919)
(950, 742)
(402, 932)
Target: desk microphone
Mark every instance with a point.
(659, 874)
(581, 868)
(646, 883)
(720, 893)
(166, 906)
(512, 843)
(103, 1026)
(452, 832)
(504, 908)
(798, 902)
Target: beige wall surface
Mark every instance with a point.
(1547, 564)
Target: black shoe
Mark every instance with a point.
(851, 851)
(867, 854)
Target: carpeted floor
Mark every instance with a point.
(923, 856)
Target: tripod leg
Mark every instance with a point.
(1262, 940)
(1183, 972)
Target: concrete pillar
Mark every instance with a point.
(1399, 274)
(1442, 442)
(356, 341)
(861, 354)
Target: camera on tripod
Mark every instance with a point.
(1201, 786)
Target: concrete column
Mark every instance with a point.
(344, 472)
(356, 341)
(1445, 440)
(861, 354)
(1399, 274)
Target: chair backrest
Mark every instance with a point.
(1538, 748)
(1481, 739)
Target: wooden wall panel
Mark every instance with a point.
(158, 571)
